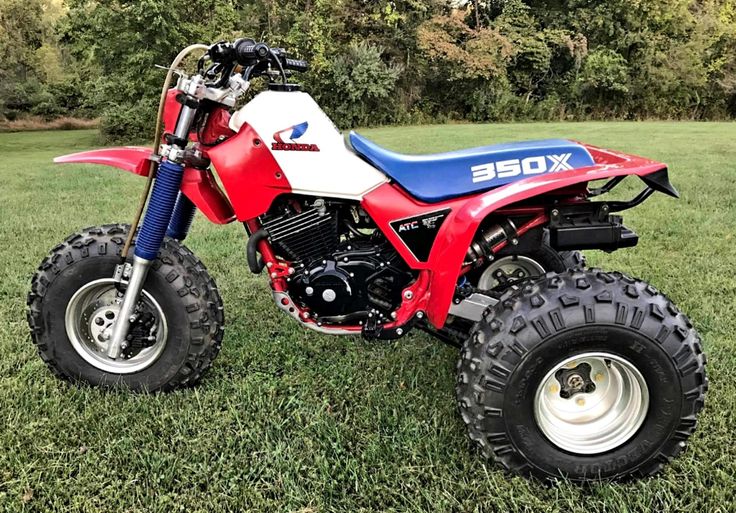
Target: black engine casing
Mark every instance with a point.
(358, 278)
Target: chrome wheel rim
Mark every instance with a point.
(90, 317)
(591, 403)
(508, 269)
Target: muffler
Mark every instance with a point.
(489, 238)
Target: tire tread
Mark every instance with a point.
(208, 316)
(523, 308)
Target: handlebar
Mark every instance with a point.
(256, 58)
(248, 53)
(296, 65)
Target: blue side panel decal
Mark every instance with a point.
(442, 176)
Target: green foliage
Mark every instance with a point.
(605, 72)
(129, 122)
(358, 86)
(387, 61)
(603, 82)
(123, 40)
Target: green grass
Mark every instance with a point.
(288, 420)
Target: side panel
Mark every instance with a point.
(388, 203)
(251, 176)
(307, 146)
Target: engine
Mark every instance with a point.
(345, 269)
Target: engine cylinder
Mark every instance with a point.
(306, 236)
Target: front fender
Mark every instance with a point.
(129, 158)
(197, 185)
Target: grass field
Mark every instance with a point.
(292, 421)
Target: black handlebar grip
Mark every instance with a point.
(246, 52)
(296, 65)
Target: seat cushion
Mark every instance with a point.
(441, 176)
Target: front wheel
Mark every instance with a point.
(584, 375)
(74, 303)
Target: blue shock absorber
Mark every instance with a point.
(160, 208)
(181, 219)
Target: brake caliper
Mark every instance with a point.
(142, 334)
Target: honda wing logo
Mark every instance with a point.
(284, 140)
(516, 167)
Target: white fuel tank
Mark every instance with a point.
(307, 146)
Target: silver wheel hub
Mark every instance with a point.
(507, 270)
(89, 320)
(591, 403)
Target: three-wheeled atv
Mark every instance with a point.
(563, 371)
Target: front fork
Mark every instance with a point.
(169, 212)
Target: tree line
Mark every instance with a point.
(385, 61)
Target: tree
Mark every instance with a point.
(385, 61)
(362, 85)
(124, 40)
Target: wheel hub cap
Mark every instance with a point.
(591, 403)
(89, 320)
(507, 270)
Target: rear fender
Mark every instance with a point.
(388, 203)
(199, 186)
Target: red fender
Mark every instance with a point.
(389, 203)
(129, 158)
(199, 186)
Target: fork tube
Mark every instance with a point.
(158, 216)
(127, 309)
(150, 237)
(181, 219)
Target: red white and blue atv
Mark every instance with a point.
(563, 372)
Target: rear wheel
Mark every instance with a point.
(74, 304)
(584, 375)
(504, 271)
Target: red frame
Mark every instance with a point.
(253, 180)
